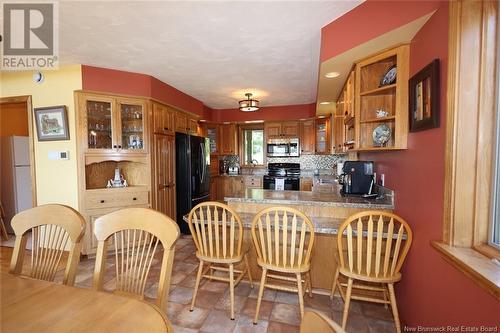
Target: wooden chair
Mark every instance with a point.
(135, 234)
(283, 253)
(53, 228)
(317, 322)
(3, 230)
(372, 252)
(218, 236)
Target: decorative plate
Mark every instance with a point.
(389, 76)
(381, 135)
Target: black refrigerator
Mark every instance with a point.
(192, 160)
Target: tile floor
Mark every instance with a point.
(279, 310)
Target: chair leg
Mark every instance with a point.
(248, 271)
(3, 229)
(347, 302)
(309, 281)
(231, 288)
(334, 284)
(394, 307)
(261, 292)
(385, 296)
(197, 284)
(301, 295)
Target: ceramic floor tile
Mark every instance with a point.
(173, 309)
(381, 326)
(179, 329)
(207, 299)
(275, 327)
(224, 303)
(215, 286)
(243, 289)
(287, 297)
(319, 302)
(181, 295)
(189, 281)
(218, 322)
(376, 311)
(269, 294)
(245, 325)
(190, 319)
(266, 308)
(286, 313)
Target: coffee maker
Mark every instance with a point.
(357, 178)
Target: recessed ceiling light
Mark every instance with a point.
(325, 103)
(331, 75)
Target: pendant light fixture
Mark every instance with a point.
(249, 104)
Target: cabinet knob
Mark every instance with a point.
(115, 146)
(134, 199)
(102, 201)
(165, 128)
(119, 147)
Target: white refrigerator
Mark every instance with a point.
(16, 176)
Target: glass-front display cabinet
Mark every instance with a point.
(112, 124)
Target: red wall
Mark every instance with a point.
(136, 84)
(266, 113)
(432, 292)
(351, 29)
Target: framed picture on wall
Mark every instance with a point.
(52, 123)
(424, 98)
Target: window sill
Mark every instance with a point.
(473, 264)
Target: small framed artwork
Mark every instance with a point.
(52, 123)
(424, 98)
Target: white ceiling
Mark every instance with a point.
(212, 50)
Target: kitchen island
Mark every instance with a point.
(326, 210)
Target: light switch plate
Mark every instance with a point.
(58, 155)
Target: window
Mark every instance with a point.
(253, 146)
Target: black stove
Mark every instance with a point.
(282, 176)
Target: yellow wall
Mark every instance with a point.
(56, 181)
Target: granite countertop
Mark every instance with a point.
(322, 225)
(310, 198)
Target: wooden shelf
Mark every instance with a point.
(380, 91)
(378, 120)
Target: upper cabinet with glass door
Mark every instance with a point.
(112, 124)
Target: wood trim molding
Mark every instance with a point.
(470, 130)
(29, 109)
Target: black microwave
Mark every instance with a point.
(283, 147)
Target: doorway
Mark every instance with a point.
(17, 159)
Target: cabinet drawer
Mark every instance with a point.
(253, 181)
(113, 199)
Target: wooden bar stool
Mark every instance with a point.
(283, 238)
(377, 244)
(218, 236)
(54, 229)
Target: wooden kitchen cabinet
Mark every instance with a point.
(228, 139)
(193, 126)
(212, 132)
(306, 183)
(163, 119)
(181, 122)
(307, 137)
(164, 175)
(322, 134)
(280, 129)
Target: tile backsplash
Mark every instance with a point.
(326, 164)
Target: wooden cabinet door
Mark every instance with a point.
(237, 184)
(158, 118)
(323, 136)
(290, 128)
(212, 133)
(193, 126)
(338, 134)
(164, 174)
(213, 189)
(131, 132)
(169, 120)
(181, 122)
(307, 137)
(228, 139)
(97, 123)
(272, 129)
(306, 183)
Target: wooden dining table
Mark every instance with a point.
(29, 305)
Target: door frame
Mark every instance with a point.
(29, 109)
